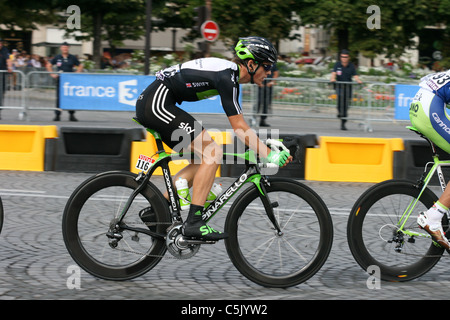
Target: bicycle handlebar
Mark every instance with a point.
(268, 165)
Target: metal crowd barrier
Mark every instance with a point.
(313, 98)
(289, 98)
(41, 90)
(27, 90)
(12, 90)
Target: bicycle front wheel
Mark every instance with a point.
(374, 237)
(92, 210)
(268, 258)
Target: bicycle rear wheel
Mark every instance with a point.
(91, 211)
(273, 260)
(373, 237)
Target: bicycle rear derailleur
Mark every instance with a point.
(179, 246)
(114, 234)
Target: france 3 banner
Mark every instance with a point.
(404, 94)
(110, 92)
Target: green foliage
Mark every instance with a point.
(270, 19)
(117, 20)
(26, 14)
(400, 22)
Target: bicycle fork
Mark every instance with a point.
(269, 206)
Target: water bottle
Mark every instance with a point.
(213, 193)
(183, 193)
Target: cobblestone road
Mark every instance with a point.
(34, 262)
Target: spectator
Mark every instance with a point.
(106, 61)
(21, 60)
(265, 95)
(65, 62)
(35, 61)
(42, 61)
(343, 72)
(13, 58)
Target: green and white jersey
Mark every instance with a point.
(428, 112)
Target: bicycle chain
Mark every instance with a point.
(146, 254)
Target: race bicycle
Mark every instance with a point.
(118, 225)
(382, 230)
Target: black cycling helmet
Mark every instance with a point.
(256, 48)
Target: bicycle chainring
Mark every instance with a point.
(177, 245)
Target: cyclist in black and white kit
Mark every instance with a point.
(191, 81)
(196, 80)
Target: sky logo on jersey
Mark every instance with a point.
(186, 127)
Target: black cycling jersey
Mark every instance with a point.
(203, 78)
(190, 81)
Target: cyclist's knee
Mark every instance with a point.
(212, 154)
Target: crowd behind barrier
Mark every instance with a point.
(35, 89)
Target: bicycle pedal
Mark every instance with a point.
(275, 204)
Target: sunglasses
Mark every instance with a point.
(267, 67)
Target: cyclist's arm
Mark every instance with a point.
(247, 135)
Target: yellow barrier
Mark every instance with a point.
(149, 148)
(352, 159)
(23, 147)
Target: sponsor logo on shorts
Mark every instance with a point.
(440, 123)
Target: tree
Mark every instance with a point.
(112, 20)
(400, 21)
(119, 20)
(270, 19)
(26, 14)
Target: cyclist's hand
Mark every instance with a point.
(279, 158)
(276, 144)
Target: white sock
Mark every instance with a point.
(435, 214)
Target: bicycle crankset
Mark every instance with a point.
(179, 246)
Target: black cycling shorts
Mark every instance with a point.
(156, 109)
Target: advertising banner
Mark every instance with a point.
(110, 92)
(404, 94)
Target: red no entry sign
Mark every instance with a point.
(210, 30)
